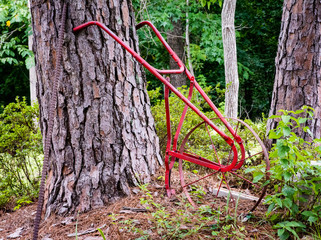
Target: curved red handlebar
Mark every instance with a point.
(168, 48)
(160, 37)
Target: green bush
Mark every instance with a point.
(295, 199)
(176, 109)
(20, 153)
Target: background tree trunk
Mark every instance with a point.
(104, 137)
(188, 49)
(230, 59)
(298, 76)
(32, 77)
(32, 73)
(176, 42)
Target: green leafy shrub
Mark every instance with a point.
(14, 31)
(20, 153)
(15, 56)
(295, 201)
(176, 109)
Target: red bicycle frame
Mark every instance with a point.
(171, 150)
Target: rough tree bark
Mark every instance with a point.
(176, 41)
(104, 137)
(230, 59)
(298, 71)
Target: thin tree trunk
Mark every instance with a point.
(188, 49)
(32, 73)
(104, 139)
(230, 58)
(298, 71)
(175, 40)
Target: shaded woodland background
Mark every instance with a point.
(257, 29)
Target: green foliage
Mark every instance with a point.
(176, 109)
(25, 200)
(208, 3)
(317, 232)
(15, 28)
(167, 225)
(286, 228)
(205, 35)
(15, 57)
(297, 183)
(258, 25)
(20, 153)
(253, 20)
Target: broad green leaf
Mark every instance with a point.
(249, 169)
(285, 118)
(309, 213)
(294, 224)
(274, 135)
(313, 219)
(295, 208)
(302, 120)
(246, 75)
(287, 176)
(270, 208)
(274, 116)
(281, 231)
(288, 191)
(257, 176)
(275, 217)
(298, 111)
(30, 62)
(284, 162)
(288, 203)
(310, 114)
(318, 149)
(295, 120)
(286, 131)
(285, 235)
(282, 148)
(292, 231)
(279, 202)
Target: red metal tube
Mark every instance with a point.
(169, 140)
(180, 124)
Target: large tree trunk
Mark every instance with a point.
(297, 80)
(230, 59)
(176, 42)
(104, 137)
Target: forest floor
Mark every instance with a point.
(146, 214)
